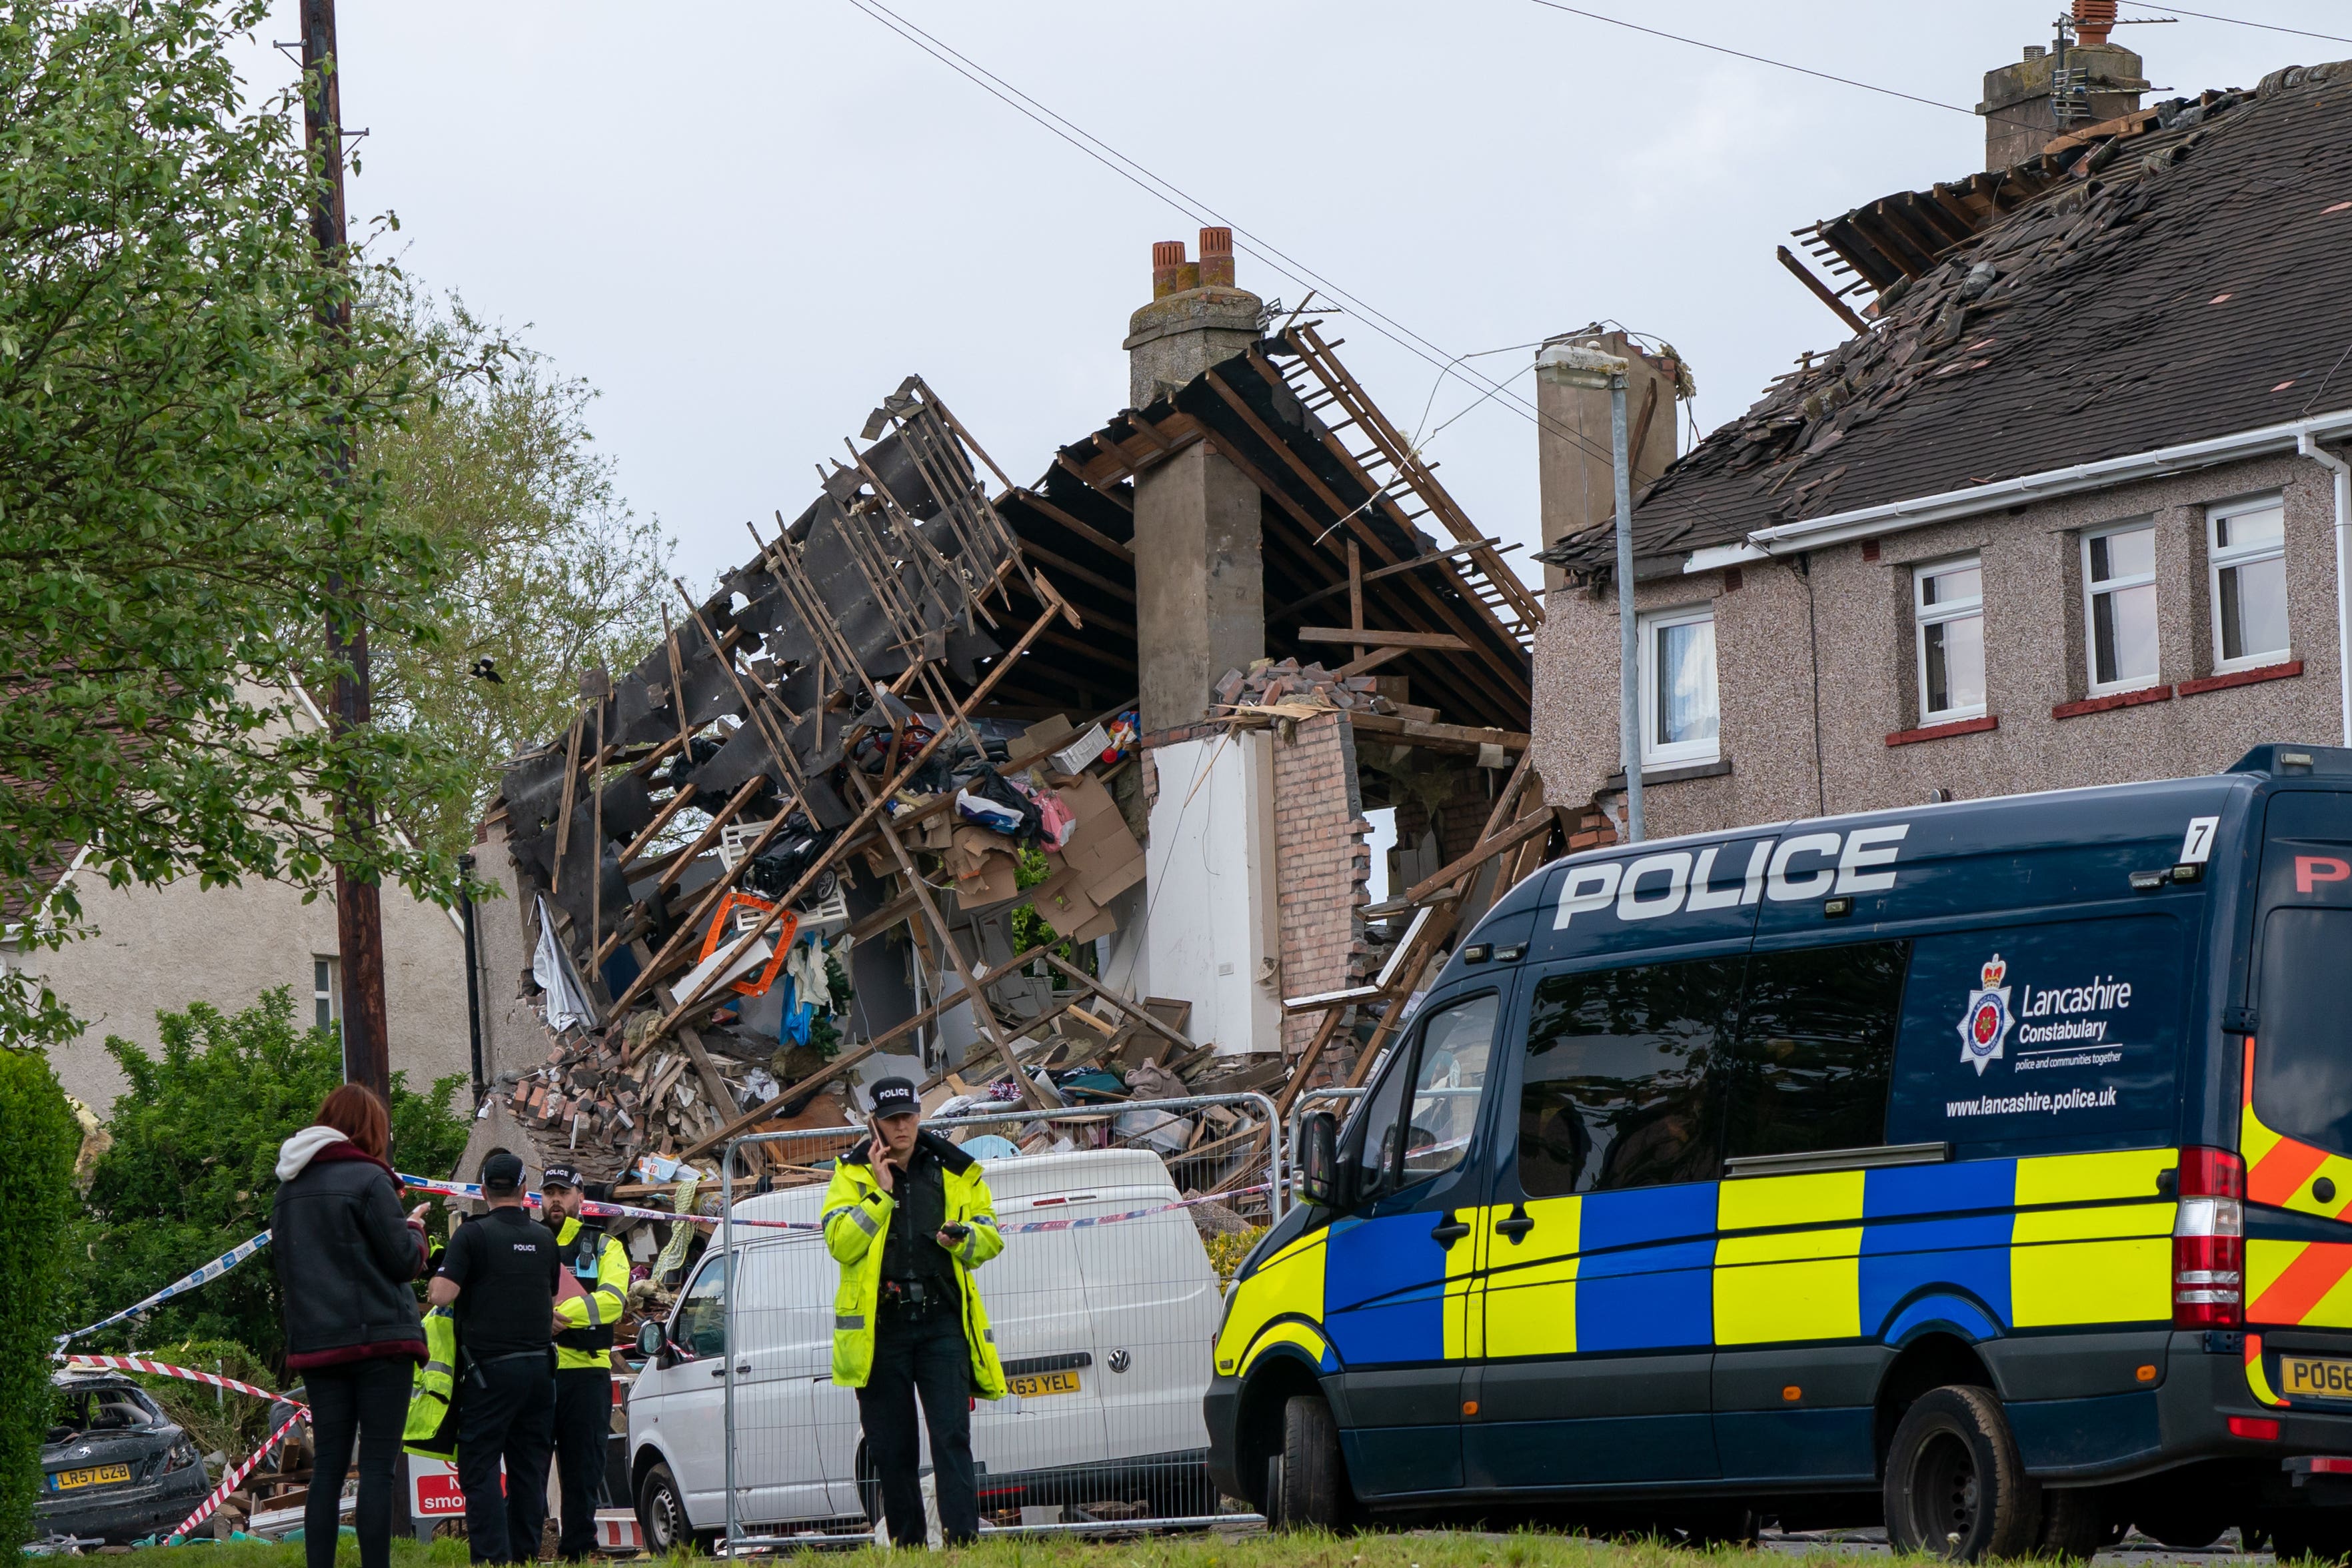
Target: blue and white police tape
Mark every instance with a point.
(604, 1210)
(243, 1250)
(211, 1271)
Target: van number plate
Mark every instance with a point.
(99, 1475)
(2313, 1376)
(1033, 1384)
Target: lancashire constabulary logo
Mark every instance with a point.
(1984, 1028)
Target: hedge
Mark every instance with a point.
(39, 1140)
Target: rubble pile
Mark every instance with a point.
(1268, 681)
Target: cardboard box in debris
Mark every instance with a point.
(1097, 860)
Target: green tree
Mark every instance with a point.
(551, 574)
(173, 539)
(191, 1171)
(39, 1137)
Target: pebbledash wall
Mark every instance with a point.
(1815, 664)
(156, 949)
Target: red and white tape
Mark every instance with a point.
(165, 1369)
(234, 1479)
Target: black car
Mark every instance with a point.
(114, 1466)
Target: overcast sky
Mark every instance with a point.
(744, 223)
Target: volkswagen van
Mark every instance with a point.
(1984, 1169)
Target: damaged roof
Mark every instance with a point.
(1262, 410)
(2178, 273)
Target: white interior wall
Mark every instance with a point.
(1213, 926)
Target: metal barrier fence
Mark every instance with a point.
(1103, 1303)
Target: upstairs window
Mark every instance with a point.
(327, 992)
(2120, 585)
(1680, 719)
(1947, 605)
(2246, 552)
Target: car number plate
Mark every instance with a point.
(2315, 1376)
(97, 1476)
(1036, 1384)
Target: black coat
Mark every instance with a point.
(345, 1256)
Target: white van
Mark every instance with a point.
(1104, 1331)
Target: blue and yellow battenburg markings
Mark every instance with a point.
(1982, 1246)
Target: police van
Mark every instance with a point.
(1985, 1169)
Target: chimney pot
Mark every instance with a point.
(1167, 268)
(1217, 258)
(2032, 52)
(2093, 20)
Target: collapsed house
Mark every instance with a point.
(1049, 796)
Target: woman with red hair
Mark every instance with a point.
(345, 1257)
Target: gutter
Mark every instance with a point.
(2302, 436)
(1893, 517)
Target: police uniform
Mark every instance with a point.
(908, 1320)
(584, 1364)
(504, 1264)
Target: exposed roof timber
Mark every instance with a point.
(1459, 685)
(1366, 417)
(1516, 687)
(1084, 531)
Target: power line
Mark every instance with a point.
(1760, 59)
(2243, 22)
(1152, 184)
(1247, 241)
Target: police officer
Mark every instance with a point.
(583, 1343)
(908, 1217)
(500, 1273)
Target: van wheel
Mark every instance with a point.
(1306, 1481)
(2073, 1524)
(1955, 1486)
(661, 1513)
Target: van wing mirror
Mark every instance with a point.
(652, 1338)
(1319, 1160)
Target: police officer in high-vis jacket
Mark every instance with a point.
(599, 1265)
(908, 1217)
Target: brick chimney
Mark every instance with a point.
(2026, 106)
(1199, 574)
(1196, 318)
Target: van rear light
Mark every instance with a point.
(2262, 1428)
(2208, 1245)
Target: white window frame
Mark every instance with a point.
(2218, 559)
(334, 994)
(1923, 615)
(2091, 591)
(1683, 753)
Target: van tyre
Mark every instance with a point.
(1306, 1480)
(661, 1513)
(2074, 1525)
(1954, 1485)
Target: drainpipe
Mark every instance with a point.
(1629, 700)
(2309, 446)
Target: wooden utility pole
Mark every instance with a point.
(359, 911)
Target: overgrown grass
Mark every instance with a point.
(1417, 1548)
